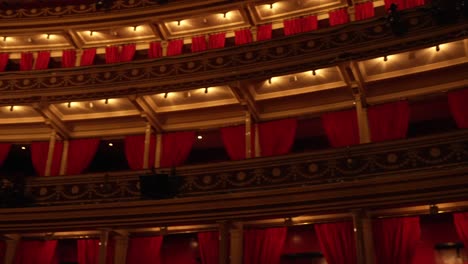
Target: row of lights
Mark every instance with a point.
(47, 36)
(133, 28)
(90, 104)
(294, 77)
(205, 20)
(188, 94)
(436, 47)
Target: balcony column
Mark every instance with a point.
(79, 53)
(157, 156)
(363, 122)
(50, 153)
(258, 150)
(237, 243)
(35, 54)
(164, 45)
(223, 242)
(11, 245)
(248, 137)
(103, 239)
(363, 237)
(351, 13)
(147, 146)
(254, 33)
(63, 162)
(121, 245)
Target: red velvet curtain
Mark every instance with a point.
(395, 239)
(234, 141)
(39, 154)
(208, 243)
(42, 61)
(26, 61)
(337, 242)
(176, 147)
(217, 41)
(88, 251)
(155, 50)
(243, 36)
(388, 121)
(461, 224)
(128, 52)
(87, 57)
(144, 250)
(277, 137)
(112, 54)
(4, 150)
(341, 128)
(264, 246)
(68, 58)
(80, 154)
(264, 32)
(198, 43)
(364, 10)
(338, 17)
(3, 61)
(292, 26)
(174, 47)
(134, 151)
(35, 252)
(309, 23)
(459, 107)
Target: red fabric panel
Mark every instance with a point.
(459, 107)
(2, 251)
(39, 152)
(134, 151)
(35, 252)
(128, 52)
(388, 121)
(112, 54)
(176, 147)
(144, 250)
(4, 150)
(243, 36)
(341, 128)
(155, 50)
(68, 58)
(87, 57)
(26, 61)
(42, 61)
(338, 17)
(337, 242)
(364, 10)
(110, 251)
(234, 141)
(277, 137)
(264, 32)
(174, 47)
(264, 246)
(3, 61)
(88, 251)
(217, 41)
(396, 239)
(198, 43)
(208, 242)
(309, 23)
(461, 223)
(292, 26)
(80, 154)
(180, 249)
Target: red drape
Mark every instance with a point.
(395, 239)
(341, 128)
(80, 154)
(174, 47)
(338, 17)
(144, 250)
(234, 141)
(112, 54)
(176, 147)
(264, 32)
(68, 58)
(404, 4)
(128, 52)
(364, 10)
(292, 26)
(264, 246)
(243, 36)
(88, 251)
(42, 61)
(198, 43)
(461, 224)
(87, 58)
(208, 243)
(39, 154)
(4, 150)
(134, 151)
(277, 137)
(217, 41)
(337, 242)
(155, 50)
(459, 107)
(3, 61)
(388, 121)
(26, 61)
(35, 252)
(309, 23)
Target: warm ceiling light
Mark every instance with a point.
(271, 5)
(269, 80)
(115, 33)
(314, 73)
(165, 95)
(206, 90)
(437, 48)
(106, 101)
(11, 108)
(110, 144)
(23, 147)
(91, 33)
(205, 20)
(135, 28)
(225, 14)
(295, 78)
(30, 40)
(91, 105)
(385, 58)
(48, 36)
(200, 137)
(4, 38)
(69, 105)
(178, 22)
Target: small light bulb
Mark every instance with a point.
(178, 22)
(206, 90)
(11, 108)
(200, 137)
(269, 80)
(314, 73)
(69, 104)
(110, 144)
(437, 48)
(91, 33)
(165, 95)
(23, 147)
(385, 58)
(225, 14)
(135, 28)
(106, 101)
(271, 6)
(48, 36)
